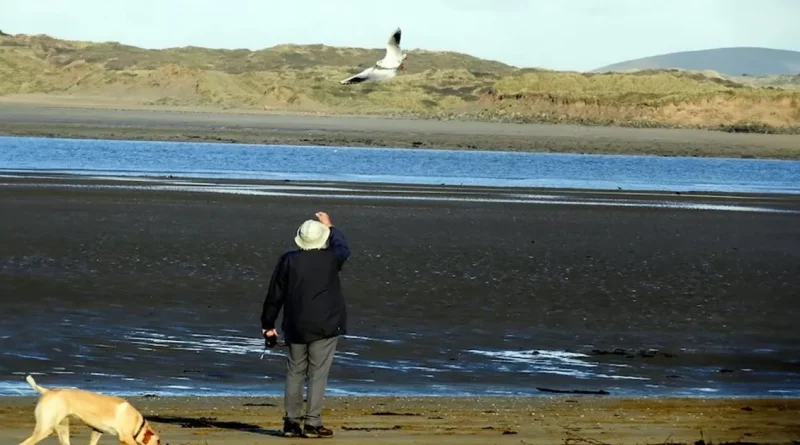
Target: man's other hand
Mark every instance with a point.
(324, 218)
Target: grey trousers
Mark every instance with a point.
(312, 361)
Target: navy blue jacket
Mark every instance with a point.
(305, 283)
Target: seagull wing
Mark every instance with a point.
(394, 56)
(358, 78)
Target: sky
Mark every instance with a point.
(576, 35)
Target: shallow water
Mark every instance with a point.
(490, 168)
(183, 361)
(366, 193)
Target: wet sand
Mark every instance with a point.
(23, 119)
(433, 281)
(548, 420)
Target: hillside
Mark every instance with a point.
(729, 61)
(439, 85)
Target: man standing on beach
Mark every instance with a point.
(305, 283)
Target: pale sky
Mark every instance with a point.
(556, 34)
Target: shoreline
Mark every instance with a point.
(22, 392)
(511, 401)
(83, 121)
(553, 420)
(423, 399)
(334, 189)
(427, 398)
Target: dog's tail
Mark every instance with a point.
(33, 384)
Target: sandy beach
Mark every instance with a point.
(575, 420)
(196, 124)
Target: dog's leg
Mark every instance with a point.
(62, 429)
(38, 435)
(95, 437)
(45, 422)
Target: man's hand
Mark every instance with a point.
(324, 218)
(269, 333)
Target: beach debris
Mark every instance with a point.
(574, 439)
(392, 413)
(371, 428)
(735, 442)
(747, 408)
(204, 422)
(509, 432)
(649, 353)
(259, 404)
(725, 370)
(617, 351)
(574, 391)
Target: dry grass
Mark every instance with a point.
(436, 85)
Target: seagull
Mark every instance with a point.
(385, 68)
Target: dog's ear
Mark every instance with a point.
(147, 435)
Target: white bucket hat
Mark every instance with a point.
(312, 235)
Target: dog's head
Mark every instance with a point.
(149, 436)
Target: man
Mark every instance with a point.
(305, 283)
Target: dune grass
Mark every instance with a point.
(435, 85)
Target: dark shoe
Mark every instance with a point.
(317, 431)
(291, 429)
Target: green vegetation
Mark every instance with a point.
(438, 85)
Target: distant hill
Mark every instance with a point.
(730, 61)
(435, 85)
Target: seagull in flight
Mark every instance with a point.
(385, 68)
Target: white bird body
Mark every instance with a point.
(385, 68)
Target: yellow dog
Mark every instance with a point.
(103, 414)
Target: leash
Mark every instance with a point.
(269, 343)
(140, 429)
